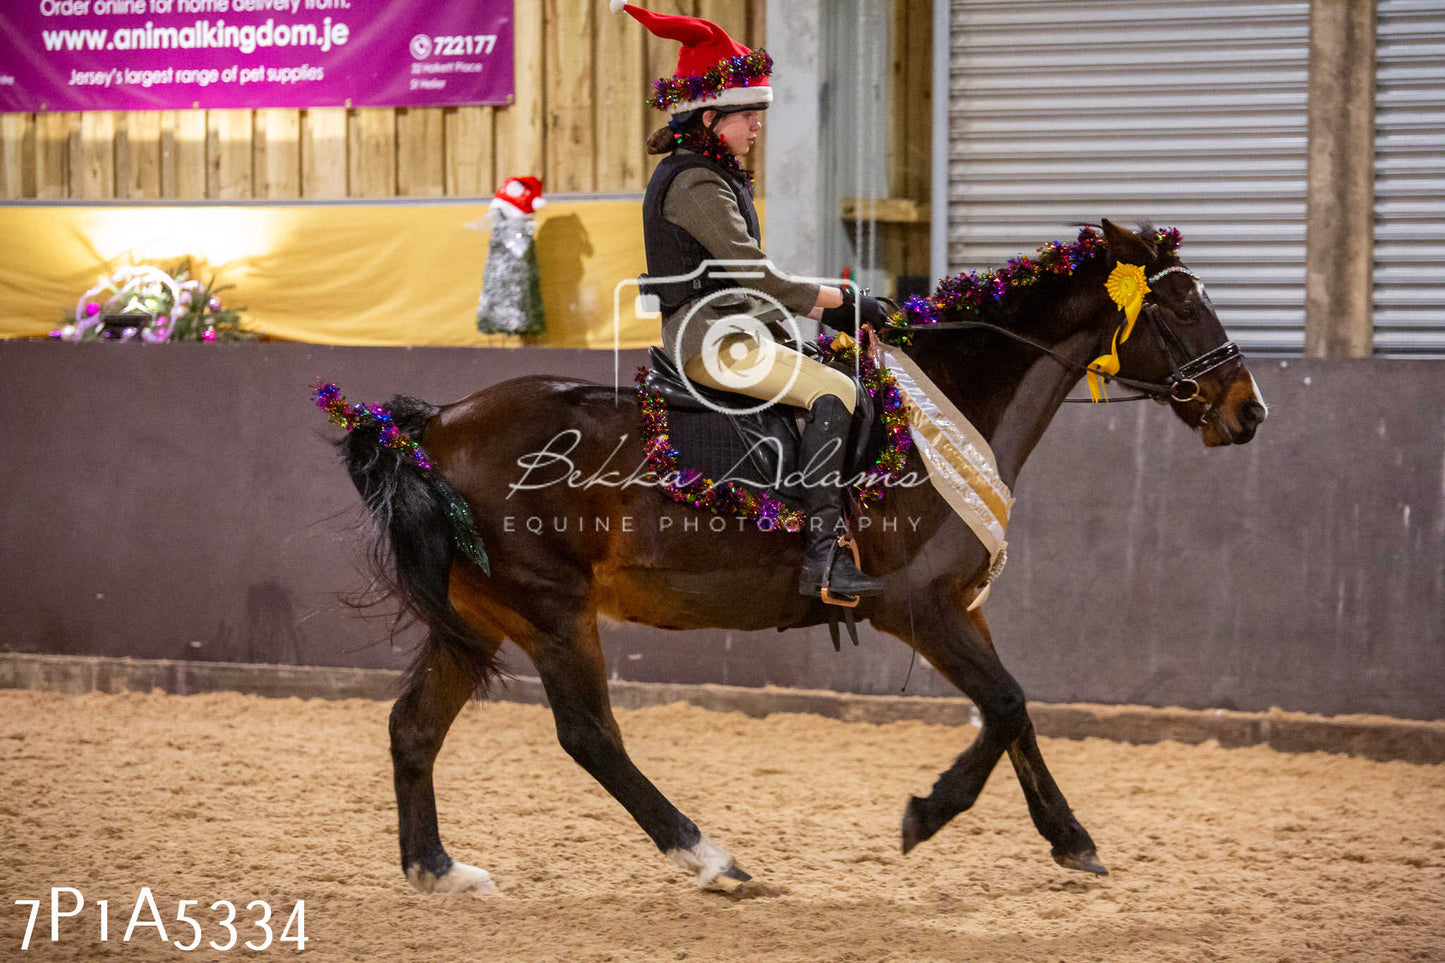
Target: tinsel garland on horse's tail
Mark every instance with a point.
(420, 521)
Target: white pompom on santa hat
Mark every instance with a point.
(713, 69)
(519, 197)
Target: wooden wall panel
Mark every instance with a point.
(520, 135)
(621, 111)
(420, 153)
(731, 15)
(470, 162)
(570, 160)
(183, 154)
(138, 155)
(17, 155)
(92, 159)
(276, 154)
(228, 154)
(52, 154)
(371, 152)
(323, 152)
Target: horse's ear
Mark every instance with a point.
(1126, 246)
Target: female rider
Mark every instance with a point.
(699, 207)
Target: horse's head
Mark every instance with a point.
(1178, 342)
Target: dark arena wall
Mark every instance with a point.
(183, 502)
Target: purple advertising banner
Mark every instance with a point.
(180, 54)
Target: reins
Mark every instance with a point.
(1152, 389)
(1182, 385)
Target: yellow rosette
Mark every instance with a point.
(1126, 286)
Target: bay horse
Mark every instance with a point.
(1007, 371)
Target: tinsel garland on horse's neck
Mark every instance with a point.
(972, 296)
(1051, 297)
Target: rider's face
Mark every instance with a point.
(740, 130)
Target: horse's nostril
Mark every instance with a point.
(1251, 413)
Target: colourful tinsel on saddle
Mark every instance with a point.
(730, 498)
(351, 417)
(742, 70)
(888, 401)
(695, 489)
(964, 296)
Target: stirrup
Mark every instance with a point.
(847, 541)
(845, 602)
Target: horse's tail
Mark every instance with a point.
(419, 525)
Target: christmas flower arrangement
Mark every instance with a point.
(139, 301)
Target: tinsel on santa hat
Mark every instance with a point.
(511, 301)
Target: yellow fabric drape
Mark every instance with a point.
(357, 274)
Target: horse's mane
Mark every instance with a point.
(997, 295)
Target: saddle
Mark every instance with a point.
(720, 439)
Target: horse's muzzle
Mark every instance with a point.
(1238, 415)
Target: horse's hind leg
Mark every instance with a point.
(574, 674)
(959, 646)
(439, 683)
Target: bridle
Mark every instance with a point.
(1181, 385)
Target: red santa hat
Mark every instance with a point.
(713, 69)
(519, 196)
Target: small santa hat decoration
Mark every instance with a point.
(713, 69)
(519, 197)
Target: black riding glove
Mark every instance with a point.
(869, 311)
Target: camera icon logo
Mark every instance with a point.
(739, 350)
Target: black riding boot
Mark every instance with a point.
(821, 454)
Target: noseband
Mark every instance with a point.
(1181, 385)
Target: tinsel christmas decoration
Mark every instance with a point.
(376, 418)
(511, 301)
(887, 400)
(695, 489)
(740, 70)
(770, 514)
(702, 141)
(965, 296)
(153, 305)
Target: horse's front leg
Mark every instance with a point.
(957, 643)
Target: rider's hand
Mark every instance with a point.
(872, 311)
(845, 317)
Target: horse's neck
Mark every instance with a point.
(1013, 396)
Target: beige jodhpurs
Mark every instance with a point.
(739, 355)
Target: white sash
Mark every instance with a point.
(961, 466)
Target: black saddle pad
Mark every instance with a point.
(758, 449)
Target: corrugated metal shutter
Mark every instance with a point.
(1410, 179)
(1190, 114)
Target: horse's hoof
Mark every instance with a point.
(1086, 861)
(712, 866)
(728, 880)
(914, 831)
(460, 878)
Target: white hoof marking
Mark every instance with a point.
(461, 878)
(707, 860)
